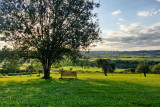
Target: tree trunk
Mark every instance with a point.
(105, 73)
(46, 72)
(144, 74)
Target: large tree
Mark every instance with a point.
(48, 29)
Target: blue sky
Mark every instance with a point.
(129, 24)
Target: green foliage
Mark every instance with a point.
(49, 29)
(104, 64)
(143, 67)
(12, 66)
(132, 70)
(112, 67)
(37, 66)
(30, 69)
(156, 69)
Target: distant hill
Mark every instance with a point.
(109, 54)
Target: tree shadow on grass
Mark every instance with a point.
(76, 92)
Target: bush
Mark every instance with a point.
(132, 70)
(40, 71)
(4, 74)
(38, 75)
(2, 71)
(156, 69)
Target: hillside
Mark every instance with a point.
(110, 54)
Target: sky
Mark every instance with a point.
(129, 25)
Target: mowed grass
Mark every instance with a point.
(78, 68)
(82, 69)
(90, 89)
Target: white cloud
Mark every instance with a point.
(132, 37)
(121, 20)
(117, 12)
(148, 13)
(158, 0)
(143, 13)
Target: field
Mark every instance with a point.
(85, 70)
(129, 59)
(90, 89)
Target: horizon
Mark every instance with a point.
(117, 51)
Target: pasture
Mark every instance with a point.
(90, 89)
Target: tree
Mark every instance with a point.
(11, 62)
(112, 67)
(143, 68)
(12, 66)
(30, 69)
(48, 29)
(156, 69)
(37, 66)
(104, 64)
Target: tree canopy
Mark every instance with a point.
(48, 29)
(104, 64)
(156, 69)
(143, 67)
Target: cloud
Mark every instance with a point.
(117, 12)
(133, 37)
(143, 13)
(121, 19)
(158, 0)
(148, 13)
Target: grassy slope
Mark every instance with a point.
(89, 90)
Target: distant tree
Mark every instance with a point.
(7, 54)
(11, 61)
(12, 66)
(104, 64)
(30, 69)
(48, 29)
(37, 66)
(112, 67)
(156, 69)
(143, 68)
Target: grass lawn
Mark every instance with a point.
(90, 69)
(88, 90)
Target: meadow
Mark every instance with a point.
(90, 89)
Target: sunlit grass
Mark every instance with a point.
(90, 89)
(90, 69)
(78, 68)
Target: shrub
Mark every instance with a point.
(4, 74)
(38, 75)
(133, 70)
(156, 69)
